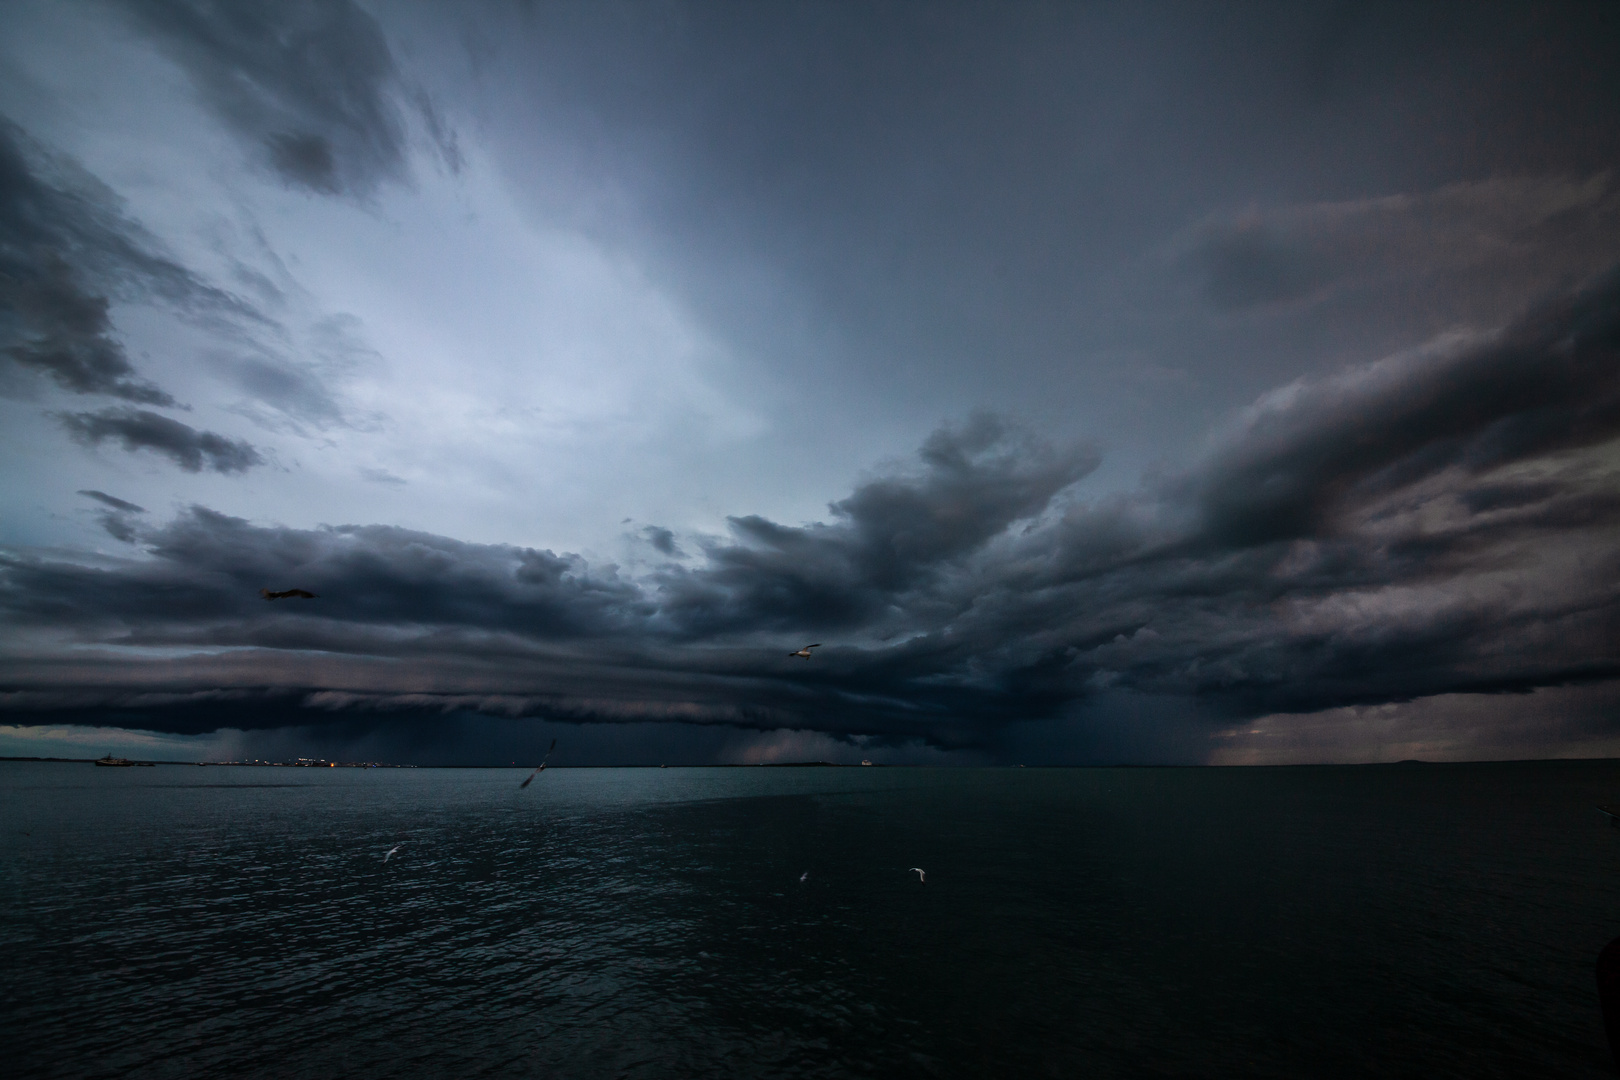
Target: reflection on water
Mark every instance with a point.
(1435, 921)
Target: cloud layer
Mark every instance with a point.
(1438, 522)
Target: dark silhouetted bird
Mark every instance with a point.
(805, 652)
(541, 766)
(300, 594)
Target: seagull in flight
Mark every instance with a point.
(391, 851)
(922, 875)
(285, 594)
(804, 877)
(805, 652)
(542, 765)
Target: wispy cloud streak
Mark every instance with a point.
(309, 85)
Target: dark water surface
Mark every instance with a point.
(1334, 921)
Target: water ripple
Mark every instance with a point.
(1143, 923)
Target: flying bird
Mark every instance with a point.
(391, 851)
(804, 877)
(299, 594)
(805, 652)
(922, 875)
(542, 765)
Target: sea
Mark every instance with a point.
(1354, 921)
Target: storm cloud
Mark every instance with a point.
(1438, 522)
(140, 429)
(1077, 375)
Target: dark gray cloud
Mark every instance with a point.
(1247, 264)
(891, 543)
(118, 526)
(292, 389)
(1440, 522)
(661, 539)
(308, 84)
(295, 391)
(139, 429)
(62, 239)
(65, 333)
(1489, 242)
(1437, 522)
(114, 502)
(116, 517)
(54, 213)
(211, 566)
(67, 251)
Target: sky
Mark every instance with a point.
(1094, 383)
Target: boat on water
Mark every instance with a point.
(114, 762)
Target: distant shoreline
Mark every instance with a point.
(1404, 764)
(324, 764)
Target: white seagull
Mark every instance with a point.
(922, 875)
(391, 851)
(542, 765)
(804, 877)
(805, 652)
